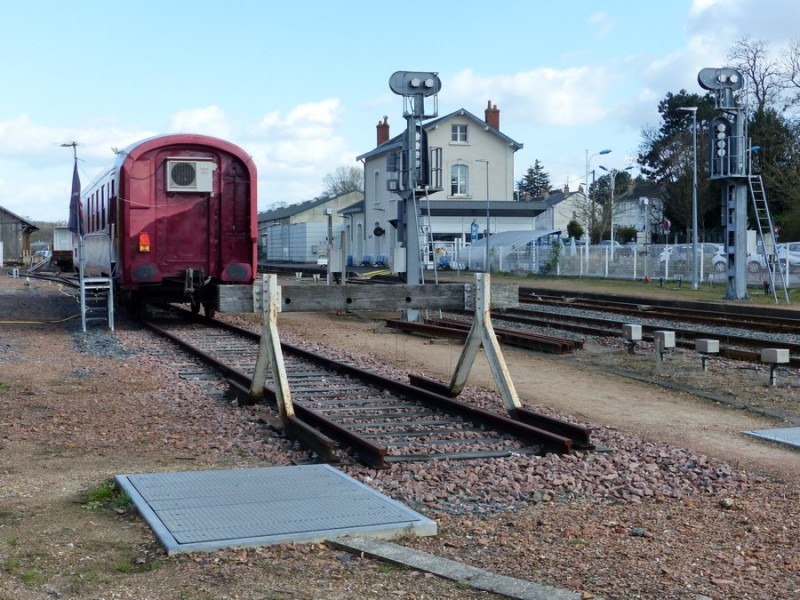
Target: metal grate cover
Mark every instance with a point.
(787, 435)
(209, 510)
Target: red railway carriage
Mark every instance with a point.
(181, 214)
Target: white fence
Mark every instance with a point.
(597, 261)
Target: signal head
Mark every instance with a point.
(720, 79)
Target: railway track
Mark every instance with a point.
(741, 337)
(342, 408)
(742, 334)
(456, 329)
(712, 316)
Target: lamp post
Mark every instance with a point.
(695, 257)
(588, 195)
(486, 160)
(613, 173)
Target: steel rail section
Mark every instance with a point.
(684, 337)
(367, 451)
(756, 322)
(370, 453)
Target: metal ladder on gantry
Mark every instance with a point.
(765, 234)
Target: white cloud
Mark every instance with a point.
(542, 96)
(295, 149)
(602, 23)
(210, 120)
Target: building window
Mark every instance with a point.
(458, 133)
(459, 176)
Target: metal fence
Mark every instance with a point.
(655, 261)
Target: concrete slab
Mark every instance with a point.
(479, 579)
(203, 511)
(789, 436)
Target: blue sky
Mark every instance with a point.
(301, 85)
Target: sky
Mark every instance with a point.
(301, 85)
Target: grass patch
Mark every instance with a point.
(579, 542)
(106, 495)
(126, 567)
(31, 577)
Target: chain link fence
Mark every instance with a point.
(655, 261)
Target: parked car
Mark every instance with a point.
(755, 261)
(632, 248)
(619, 249)
(680, 254)
(789, 252)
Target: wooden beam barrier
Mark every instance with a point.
(312, 298)
(271, 298)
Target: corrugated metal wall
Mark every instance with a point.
(299, 242)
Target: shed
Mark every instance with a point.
(15, 237)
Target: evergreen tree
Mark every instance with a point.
(666, 158)
(534, 184)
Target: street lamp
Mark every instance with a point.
(695, 257)
(613, 173)
(486, 160)
(588, 195)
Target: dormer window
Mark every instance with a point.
(458, 134)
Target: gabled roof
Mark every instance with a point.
(358, 207)
(295, 209)
(557, 198)
(397, 141)
(16, 218)
(465, 113)
(643, 190)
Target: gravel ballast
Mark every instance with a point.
(642, 518)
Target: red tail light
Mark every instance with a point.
(144, 242)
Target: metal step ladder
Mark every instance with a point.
(764, 223)
(426, 249)
(97, 300)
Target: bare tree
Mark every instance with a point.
(764, 73)
(343, 180)
(790, 62)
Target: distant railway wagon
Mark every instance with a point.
(181, 215)
(63, 248)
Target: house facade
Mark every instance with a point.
(477, 191)
(641, 207)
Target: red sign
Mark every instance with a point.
(667, 225)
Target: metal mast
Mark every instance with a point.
(728, 163)
(415, 179)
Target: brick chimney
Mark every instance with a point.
(492, 117)
(383, 130)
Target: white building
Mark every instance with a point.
(477, 168)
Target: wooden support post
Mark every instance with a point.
(270, 355)
(482, 333)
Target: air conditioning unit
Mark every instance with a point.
(190, 175)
